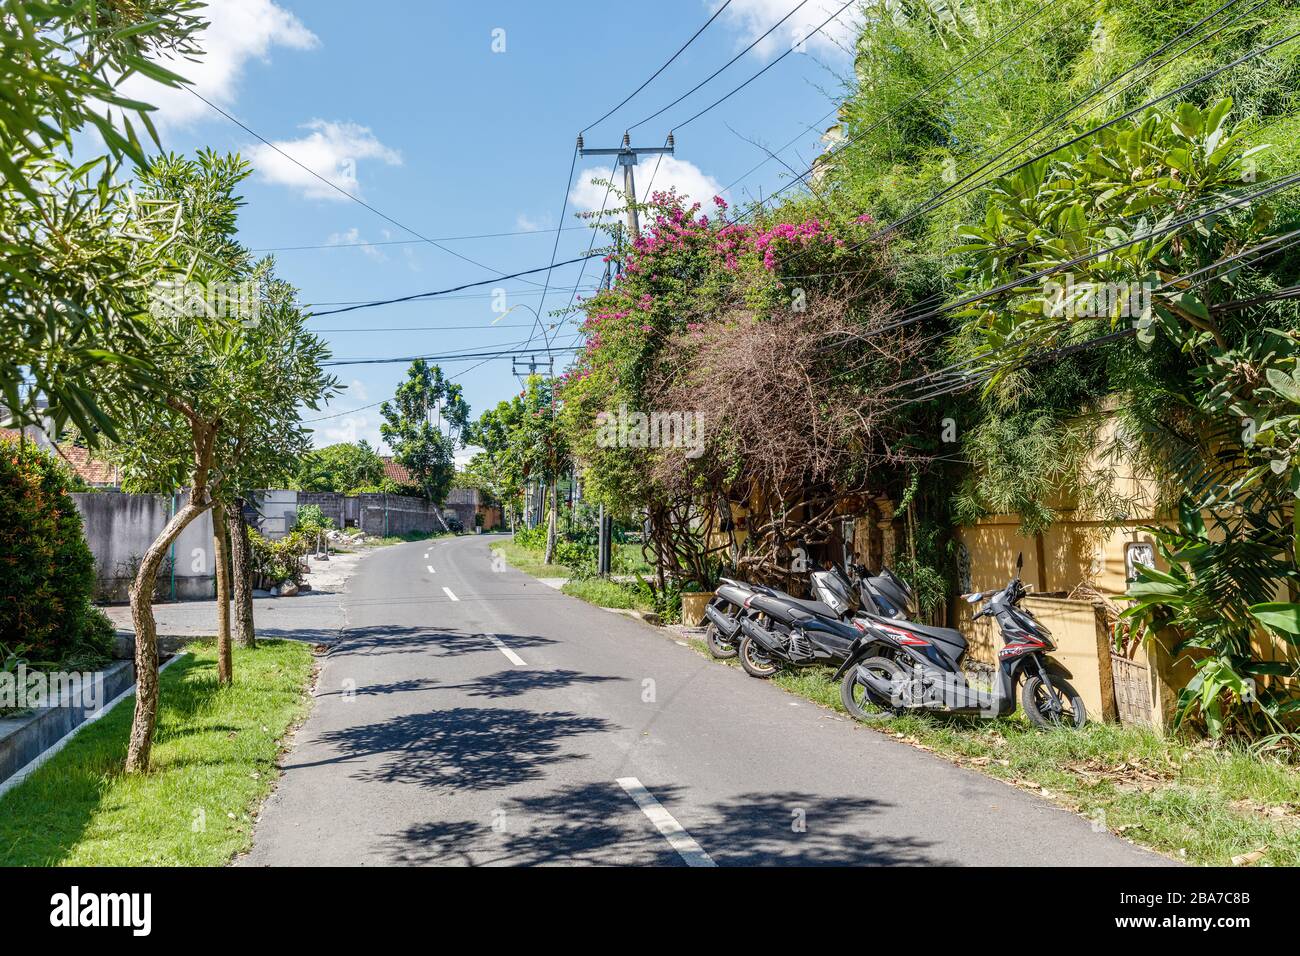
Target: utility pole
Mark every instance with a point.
(627, 158)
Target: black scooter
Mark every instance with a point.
(898, 666)
(767, 628)
(839, 593)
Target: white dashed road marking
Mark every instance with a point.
(447, 591)
(510, 655)
(429, 568)
(673, 832)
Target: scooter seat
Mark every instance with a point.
(790, 609)
(949, 638)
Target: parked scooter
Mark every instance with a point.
(897, 666)
(768, 628)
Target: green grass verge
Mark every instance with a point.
(1182, 797)
(606, 593)
(213, 763)
(628, 559)
(599, 591)
(529, 561)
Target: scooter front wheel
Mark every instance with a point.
(755, 660)
(719, 646)
(1057, 706)
(860, 700)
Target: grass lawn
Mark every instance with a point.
(628, 559)
(1197, 803)
(598, 591)
(607, 593)
(213, 763)
(529, 561)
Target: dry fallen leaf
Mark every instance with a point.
(1247, 859)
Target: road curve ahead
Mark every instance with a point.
(472, 715)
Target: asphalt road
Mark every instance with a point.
(471, 715)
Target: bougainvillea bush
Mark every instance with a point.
(47, 573)
(767, 346)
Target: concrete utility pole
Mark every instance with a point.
(627, 158)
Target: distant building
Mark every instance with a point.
(95, 472)
(394, 471)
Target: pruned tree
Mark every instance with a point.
(226, 391)
(413, 428)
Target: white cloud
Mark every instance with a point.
(350, 428)
(353, 238)
(689, 180)
(753, 18)
(357, 389)
(331, 149)
(526, 224)
(238, 31)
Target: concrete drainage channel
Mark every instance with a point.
(30, 739)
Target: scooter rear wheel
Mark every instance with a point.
(719, 646)
(860, 700)
(1061, 706)
(755, 660)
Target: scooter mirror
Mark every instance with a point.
(973, 598)
(1020, 561)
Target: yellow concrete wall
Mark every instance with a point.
(1081, 639)
(1072, 552)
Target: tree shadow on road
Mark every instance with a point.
(439, 641)
(594, 823)
(461, 748)
(793, 828)
(395, 687)
(599, 823)
(512, 683)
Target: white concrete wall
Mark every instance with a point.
(119, 529)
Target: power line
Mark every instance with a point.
(514, 293)
(512, 352)
(717, 13)
(724, 98)
(336, 187)
(564, 205)
(974, 55)
(456, 288)
(706, 80)
(931, 204)
(411, 242)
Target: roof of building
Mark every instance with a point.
(89, 469)
(396, 472)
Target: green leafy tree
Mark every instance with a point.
(414, 421)
(71, 298)
(538, 439)
(498, 470)
(229, 384)
(340, 468)
(47, 574)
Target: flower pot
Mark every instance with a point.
(693, 605)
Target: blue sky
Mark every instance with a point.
(417, 109)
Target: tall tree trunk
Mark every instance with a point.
(550, 522)
(221, 553)
(203, 438)
(242, 564)
(146, 637)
